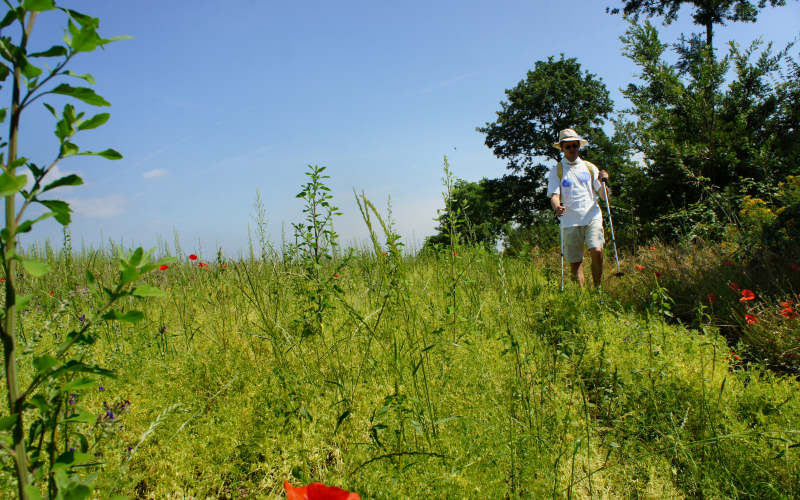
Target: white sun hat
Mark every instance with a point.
(569, 135)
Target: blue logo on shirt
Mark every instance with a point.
(584, 177)
(566, 183)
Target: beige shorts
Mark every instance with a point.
(575, 236)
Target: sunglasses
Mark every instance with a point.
(570, 146)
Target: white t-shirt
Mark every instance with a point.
(578, 192)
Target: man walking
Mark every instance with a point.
(574, 187)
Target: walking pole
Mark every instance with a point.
(611, 225)
(561, 237)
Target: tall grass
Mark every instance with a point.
(441, 375)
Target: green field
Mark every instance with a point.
(461, 374)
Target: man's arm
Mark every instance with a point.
(555, 202)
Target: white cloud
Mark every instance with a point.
(156, 172)
(99, 208)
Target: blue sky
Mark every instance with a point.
(213, 100)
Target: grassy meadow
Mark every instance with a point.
(459, 374)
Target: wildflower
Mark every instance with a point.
(658, 274)
(318, 491)
(455, 254)
(2, 280)
(130, 449)
(384, 254)
(162, 329)
(164, 267)
(652, 248)
(787, 303)
(789, 313)
(73, 398)
(750, 319)
(110, 415)
(82, 318)
(192, 257)
(101, 388)
(639, 267)
(727, 263)
(733, 286)
(51, 293)
(223, 266)
(747, 295)
(736, 357)
(712, 297)
(202, 264)
(335, 275)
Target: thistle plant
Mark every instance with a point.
(43, 430)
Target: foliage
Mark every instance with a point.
(47, 435)
(703, 145)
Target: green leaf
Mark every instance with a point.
(51, 109)
(108, 154)
(45, 363)
(94, 121)
(4, 72)
(136, 257)
(54, 51)
(11, 16)
(147, 291)
(7, 423)
(35, 268)
(83, 417)
(68, 149)
(78, 492)
(38, 401)
(3, 112)
(67, 180)
(39, 5)
(33, 493)
(84, 94)
(30, 71)
(90, 277)
(61, 210)
(77, 385)
(85, 76)
(23, 301)
(130, 316)
(129, 275)
(11, 185)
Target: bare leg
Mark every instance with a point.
(577, 272)
(597, 265)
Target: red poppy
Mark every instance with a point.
(639, 267)
(728, 263)
(384, 254)
(736, 357)
(750, 319)
(192, 257)
(455, 254)
(318, 491)
(733, 286)
(51, 294)
(164, 267)
(788, 303)
(335, 275)
(202, 264)
(789, 313)
(652, 248)
(712, 298)
(795, 267)
(658, 274)
(2, 280)
(747, 295)
(223, 266)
